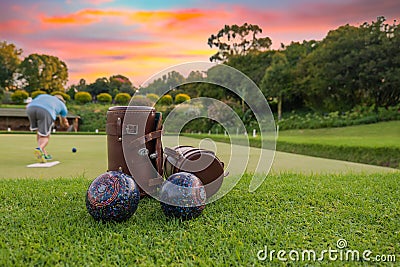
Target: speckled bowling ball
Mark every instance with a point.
(183, 196)
(112, 196)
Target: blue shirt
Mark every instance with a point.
(50, 103)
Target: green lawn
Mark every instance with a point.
(45, 222)
(383, 134)
(43, 218)
(89, 161)
(375, 144)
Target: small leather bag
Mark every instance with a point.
(200, 162)
(134, 144)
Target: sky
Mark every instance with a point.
(101, 38)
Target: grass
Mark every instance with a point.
(383, 134)
(376, 144)
(90, 160)
(12, 106)
(45, 222)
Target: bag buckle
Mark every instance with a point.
(143, 152)
(131, 129)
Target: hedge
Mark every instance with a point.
(122, 98)
(36, 93)
(19, 96)
(152, 97)
(64, 95)
(180, 98)
(104, 98)
(165, 100)
(83, 97)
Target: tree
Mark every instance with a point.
(172, 79)
(122, 84)
(290, 89)
(237, 40)
(353, 66)
(329, 74)
(44, 72)
(74, 88)
(101, 85)
(275, 82)
(169, 81)
(379, 69)
(252, 64)
(9, 62)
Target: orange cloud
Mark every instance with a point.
(149, 20)
(86, 16)
(157, 16)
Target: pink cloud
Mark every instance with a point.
(15, 27)
(97, 2)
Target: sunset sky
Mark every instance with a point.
(100, 38)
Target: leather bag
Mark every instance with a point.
(200, 162)
(134, 144)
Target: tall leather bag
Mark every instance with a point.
(134, 144)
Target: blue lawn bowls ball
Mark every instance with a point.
(183, 196)
(73, 150)
(112, 196)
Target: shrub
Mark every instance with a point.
(104, 98)
(83, 97)
(180, 98)
(64, 95)
(152, 97)
(122, 98)
(93, 116)
(165, 100)
(36, 93)
(19, 96)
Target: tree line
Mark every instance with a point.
(352, 66)
(40, 73)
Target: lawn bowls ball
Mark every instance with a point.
(73, 150)
(112, 196)
(182, 196)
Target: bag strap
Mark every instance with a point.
(159, 149)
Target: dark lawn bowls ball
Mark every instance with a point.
(112, 196)
(183, 196)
